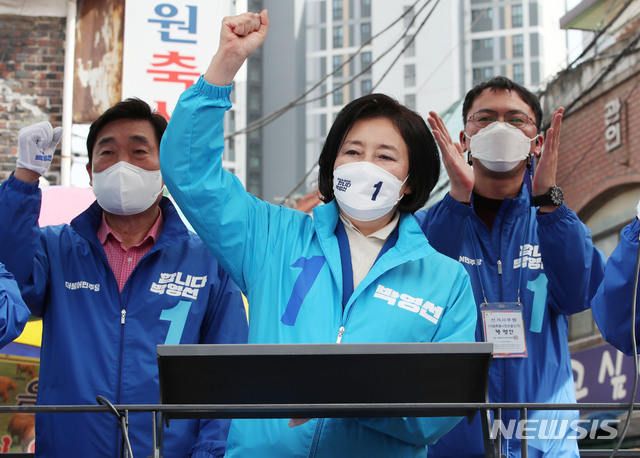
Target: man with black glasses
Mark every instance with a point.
(531, 262)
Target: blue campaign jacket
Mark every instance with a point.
(14, 314)
(563, 270)
(612, 304)
(98, 341)
(288, 264)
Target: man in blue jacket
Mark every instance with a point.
(612, 304)
(125, 276)
(531, 262)
(14, 314)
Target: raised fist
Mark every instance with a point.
(36, 145)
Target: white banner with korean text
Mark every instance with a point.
(167, 46)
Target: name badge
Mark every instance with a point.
(503, 326)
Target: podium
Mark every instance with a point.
(324, 380)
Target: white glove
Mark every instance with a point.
(638, 210)
(36, 145)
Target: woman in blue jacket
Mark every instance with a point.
(359, 270)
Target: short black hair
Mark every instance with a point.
(131, 108)
(424, 158)
(502, 82)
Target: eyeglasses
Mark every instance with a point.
(517, 119)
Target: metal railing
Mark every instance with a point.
(492, 447)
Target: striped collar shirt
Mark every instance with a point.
(123, 260)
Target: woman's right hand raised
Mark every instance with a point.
(240, 36)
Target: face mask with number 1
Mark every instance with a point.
(364, 191)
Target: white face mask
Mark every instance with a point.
(500, 147)
(125, 189)
(364, 191)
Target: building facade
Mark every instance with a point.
(598, 167)
(517, 39)
(31, 76)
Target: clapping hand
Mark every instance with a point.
(459, 171)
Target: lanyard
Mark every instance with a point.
(475, 255)
(345, 258)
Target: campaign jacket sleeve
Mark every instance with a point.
(457, 324)
(226, 319)
(212, 439)
(14, 314)
(22, 248)
(573, 265)
(444, 225)
(225, 323)
(612, 304)
(236, 226)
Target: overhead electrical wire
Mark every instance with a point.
(597, 36)
(365, 70)
(591, 44)
(406, 46)
(628, 49)
(456, 46)
(634, 390)
(302, 99)
(604, 73)
(380, 57)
